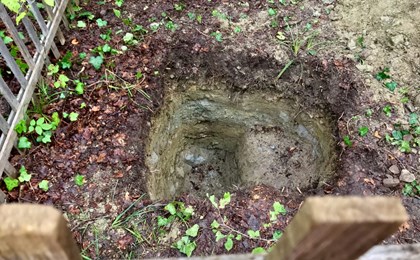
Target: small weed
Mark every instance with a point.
(387, 110)
(11, 183)
(363, 131)
(96, 61)
(347, 141)
(217, 35)
(44, 185)
(79, 180)
(101, 23)
(411, 189)
(222, 230)
(24, 175)
(119, 3)
(369, 112)
(384, 77)
(185, 245)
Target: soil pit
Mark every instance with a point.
(209, 140)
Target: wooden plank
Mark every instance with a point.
(30, 231)
(40, 20)
(339, 227)
(10, 170)
(50, 13)
(4, 126)
(30, 28)
(8, 95)
(11, 28)
(393, 252)
(25, 99)
(11, 63)
(3, 197)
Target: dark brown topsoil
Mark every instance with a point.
(107, 143)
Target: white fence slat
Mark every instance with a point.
(12, 64)
(24, 102)
(41, 22)
(8, 95)
(11, 28)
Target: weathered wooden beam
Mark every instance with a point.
(30, 231)
(339, 227)
(8, 95)
(10, 170)
(44, 28)
(11, 63)
(2, 197)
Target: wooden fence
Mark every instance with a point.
(325, 228)
(41, 27)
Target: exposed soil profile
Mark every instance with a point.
(209, 139)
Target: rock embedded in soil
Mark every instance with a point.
(394, 169)
(407, 176)
(391, 182)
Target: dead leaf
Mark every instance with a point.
(125, 241)
(95, 109)
(118, 174)
(101, 157)
(369, 181)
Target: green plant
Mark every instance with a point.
(387, 110)
(347, 141)
(43, 127)
(185, 245)
(406, 136)
(79, 180)
(117, 13)
(411, 189)
(119, 3)
(24, 143)
(179, 7)
(11, 183)
(101, 23)
(272, 12)
(19, 7)
(96, 61)
(278, 209)
(384, 77)
(363, 131)
(24, 175)
(129, 39)
(44, 185)
(177, 210)
(217, 35)
(222, 230)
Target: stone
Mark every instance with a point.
(407, 176)
(417, 101)
(394, 169)
(397, 39)
(391, 182)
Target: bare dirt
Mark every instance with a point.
(327, 76)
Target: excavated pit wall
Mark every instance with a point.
(209, 140)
